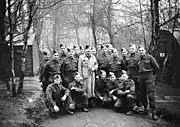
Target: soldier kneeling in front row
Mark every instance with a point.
(57, 97)
(125, 94)
(79, 96)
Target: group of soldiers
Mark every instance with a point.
(83, 77)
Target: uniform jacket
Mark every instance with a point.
(55, 92)
(127, 85)
(115, 64)
(79, 86)
(103, 61)
(100, 87)
(52, 67)
(147, 63)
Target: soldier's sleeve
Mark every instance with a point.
(154, 64)
(62, 70)
(66, 91)
(132, 87)
(96, 90)
(45, 68)
(72, 84)
(49, 96)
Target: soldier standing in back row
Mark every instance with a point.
(69, 68)
(124, 58)
(147, 68)
(51, 68)
(41, 68)
(116, 64)
(62, 53)
(103, 60)
(132, 62)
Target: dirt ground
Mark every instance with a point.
(14, 110)
(21, 112)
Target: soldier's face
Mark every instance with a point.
(71, 53)
(93, 51)
(124, 53)
(63, 48)
(55, 56)
(115, 53)
(47, 56)
(142, 51)
(103, 75)
(77, 50)
(132, 49)
(57, 80)
(124, 77)
(88, 51)
(104, 49)
(112, 79)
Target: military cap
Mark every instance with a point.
(111, 74)
(87, 46)
(54, 51)
(78, 76)
(45, 53)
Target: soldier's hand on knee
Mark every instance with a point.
(111, 91)
(101, 98)
(56, 108)
(114, 98)
(63, 98)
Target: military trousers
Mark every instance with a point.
(147, 89)
(62, 105)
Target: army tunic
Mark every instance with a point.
(101, 88)
(79, 96)
(62, 56)
(132, 62)
(41, 68)
(69, 68)
(132, 68)
(147, 68)
(126, 100)
(116, 66)
(103, 62)
(51, 67)
(53, 96)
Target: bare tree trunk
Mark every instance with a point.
(12, 50)
(109, 23)
(2, 13)
(77, 36)
(155, 24)
(54, 36)
(142, 23)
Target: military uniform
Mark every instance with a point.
(103, 62)
(101, 89)
(41, 68)
(132, 68)
(147, 67)
(111, 86)
(52, 67)
(69, 68)
(125, 100)
(54, 93)
(62, 56)
(79, 96)
(42, 78)
(116, 66)
(76, 55)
